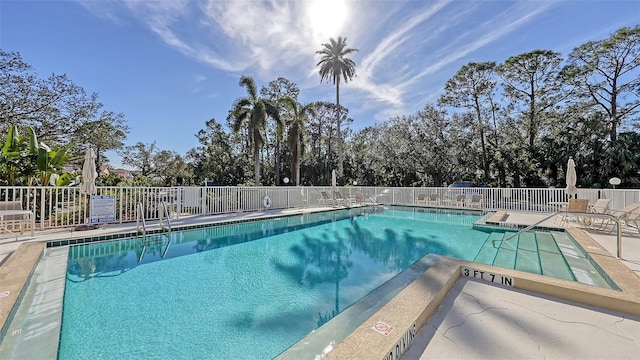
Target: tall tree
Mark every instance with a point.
(471, 87)
(140, 156)
(532, 84)
(251, 111)
(334, 66)
(604, 72)
(106, 133)
(366, 159)
(296, 128)
(276, 90)
(171, 168)
(215, 159)
(56, 108)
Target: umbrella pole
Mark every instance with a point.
(87, 208)
(87, 216)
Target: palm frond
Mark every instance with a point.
(248, 83)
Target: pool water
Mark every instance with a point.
(248, 290)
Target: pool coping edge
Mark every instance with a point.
(410, 310)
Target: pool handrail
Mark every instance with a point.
(165, 213)
(589, 214)
(140, 219)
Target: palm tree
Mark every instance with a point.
(252, 111)
(280, 127)
(334, 64)
(295, 139)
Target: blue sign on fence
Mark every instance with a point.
(102, 209)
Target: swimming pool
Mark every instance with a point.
(247, 290)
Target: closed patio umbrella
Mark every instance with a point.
(89, 174)
(571, 178)
(88, 185)
(334, 184)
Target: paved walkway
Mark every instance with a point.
(484, 321)
(478, 320)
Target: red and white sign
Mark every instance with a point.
(383, 328)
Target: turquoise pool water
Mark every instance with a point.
(246, 290)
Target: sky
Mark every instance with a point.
(171, 65)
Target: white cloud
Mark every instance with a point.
(106, 9)
(402, 44)
(410, 90)
(391, 93)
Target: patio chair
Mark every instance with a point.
(632, 218)
(624, 211)
(575, 205)
(601, 206)
(628, 215)
(361, 199)
(12, 216)
(434, 199)
(339, 198)
(421, 199)
(325, 199)
(476, 201)
(459, 200)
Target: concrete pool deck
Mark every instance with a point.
(465, 317)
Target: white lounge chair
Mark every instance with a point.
(12, 215)
(458, 201)
(339, 198)
(476, 201)
(601, 206)
(630, 214)
(325, 199)
(361, 198)
(434, 199)
(575, 205)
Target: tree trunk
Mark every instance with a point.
(256, 160)
(533, 129)
(277, 159)
(298, 163)
(485, 161)
(340, 169)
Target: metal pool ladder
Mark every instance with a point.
(586, 214)
(147, 242)
(165, 213)
(140, 219)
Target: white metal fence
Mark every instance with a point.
(57, 207)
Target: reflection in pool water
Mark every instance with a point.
(246, 290)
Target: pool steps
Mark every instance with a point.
(549, 253)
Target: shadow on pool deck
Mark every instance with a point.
(474, 319)
(458, 317)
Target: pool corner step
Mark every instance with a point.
(487, 253)
(548, 253)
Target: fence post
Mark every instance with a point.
(121, 204)
(42, 208)
(203, 191)
(179, 201)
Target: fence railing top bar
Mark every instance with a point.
(65, 206)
